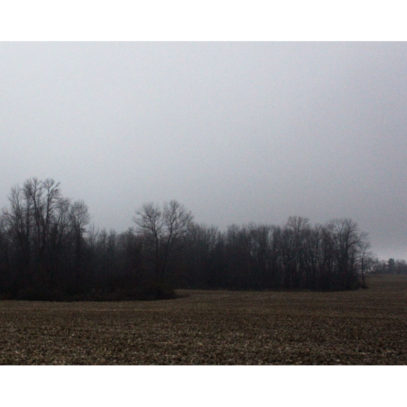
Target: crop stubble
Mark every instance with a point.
(214, 327)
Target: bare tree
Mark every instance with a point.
(365, 258)
(149, 225)
(163, 231)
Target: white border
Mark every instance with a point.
(202, 20)
(203, 386)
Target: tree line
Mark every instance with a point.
(48, 251)
(390, 266)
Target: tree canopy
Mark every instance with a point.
(49, 251)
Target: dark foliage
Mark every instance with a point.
(48, 252)
(296, 256)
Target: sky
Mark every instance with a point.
(237, 132)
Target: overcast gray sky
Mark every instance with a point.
(237, 132)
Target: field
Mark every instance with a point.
(214, 327)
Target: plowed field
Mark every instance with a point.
(214, 327)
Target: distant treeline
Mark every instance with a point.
(48, 251)
(391, 266)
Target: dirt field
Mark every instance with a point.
(214, 327)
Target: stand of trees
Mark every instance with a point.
(49, 252)
(296, 256)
